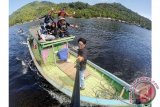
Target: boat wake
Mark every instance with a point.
(23, 43)
(18, 59)
(29, 64)
(63, 99)
(26, 65)
(21, 33)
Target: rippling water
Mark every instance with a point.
(124, 50)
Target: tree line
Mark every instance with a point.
(114, 11)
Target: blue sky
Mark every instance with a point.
(142, 7)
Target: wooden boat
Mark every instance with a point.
(102, 87)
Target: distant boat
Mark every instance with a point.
(102, 87)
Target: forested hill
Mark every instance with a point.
(112, 11)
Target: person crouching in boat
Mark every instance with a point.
(63, 27)
(44, 35)
(51, 29)
(82, 60)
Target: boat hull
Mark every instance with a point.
(83, 98)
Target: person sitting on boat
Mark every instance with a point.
(63, 27)
(43, 34)
(42, 29)
(63, 13)
(51, 29)
(82, 60)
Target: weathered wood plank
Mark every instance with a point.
(69, 69)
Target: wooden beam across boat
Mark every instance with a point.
(58, 41)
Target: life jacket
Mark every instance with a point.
(62, 14)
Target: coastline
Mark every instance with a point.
(104, 18)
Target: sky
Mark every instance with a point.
(142, 7)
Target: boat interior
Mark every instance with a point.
(97, 84)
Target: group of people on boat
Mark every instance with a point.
(50, 29)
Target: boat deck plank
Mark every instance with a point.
(70, 70)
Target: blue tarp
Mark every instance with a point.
(63, 54)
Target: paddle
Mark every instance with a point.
(75, 100)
